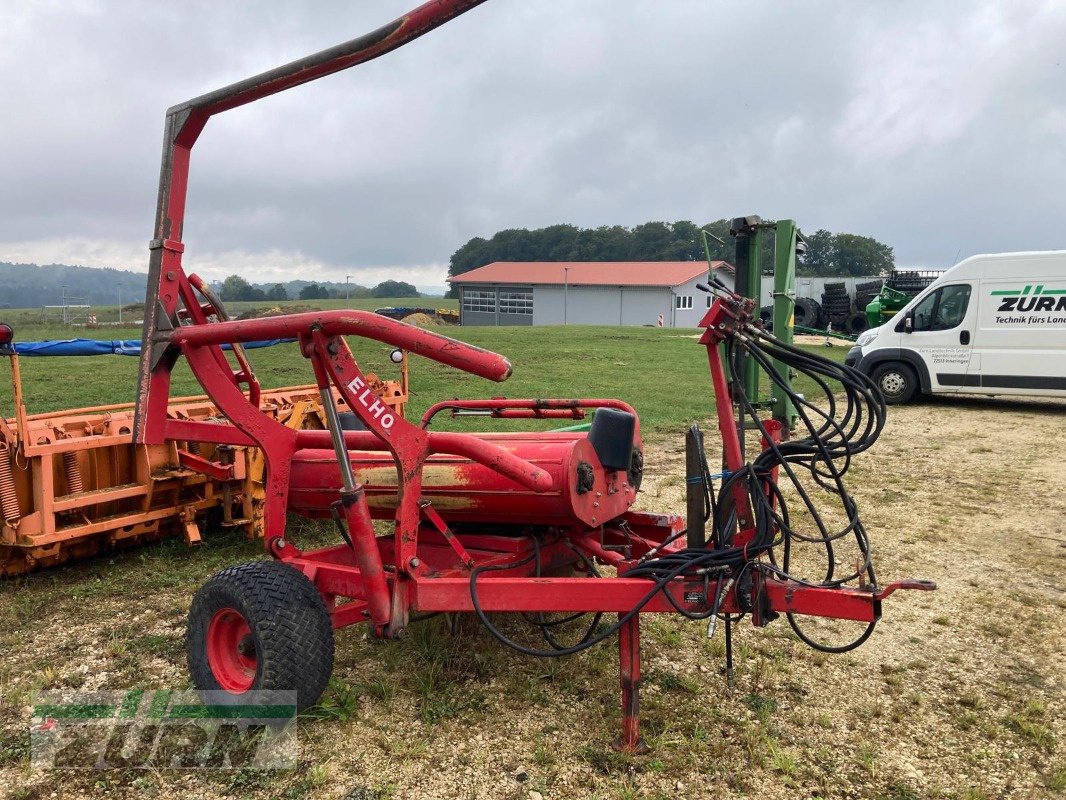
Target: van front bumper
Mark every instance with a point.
(854, 357)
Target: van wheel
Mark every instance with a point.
(897, 382)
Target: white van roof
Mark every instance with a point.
(1026, 264)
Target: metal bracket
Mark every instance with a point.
(161, 342)
(435, 519)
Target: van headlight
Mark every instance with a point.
(866, 337)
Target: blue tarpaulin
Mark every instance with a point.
(107, 347)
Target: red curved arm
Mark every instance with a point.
(167, 282)
(444, 349)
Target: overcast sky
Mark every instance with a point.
(938, 128)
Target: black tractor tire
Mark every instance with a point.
(897, 382)
(857, 323)
(766, 314)
(807, 312)
(260, 626)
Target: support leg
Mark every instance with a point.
(629, 670)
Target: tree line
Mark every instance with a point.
(33, 286)
(828, 254)
(235, 288)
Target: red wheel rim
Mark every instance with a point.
(231, 650)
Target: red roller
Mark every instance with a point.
(463, 490)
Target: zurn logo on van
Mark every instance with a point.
(1031, 298)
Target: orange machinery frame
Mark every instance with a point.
(73, 484)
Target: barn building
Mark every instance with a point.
(587, 292)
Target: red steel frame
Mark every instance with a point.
(421, 567)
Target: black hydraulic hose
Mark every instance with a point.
(834, 432)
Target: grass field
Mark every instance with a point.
(958, 695)
(661, 372)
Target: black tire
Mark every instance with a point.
(287, 632)
(766, 314)
(807, 312)
(857, 323)
(897, 382)
(837, 306)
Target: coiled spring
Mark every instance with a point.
(9, 499)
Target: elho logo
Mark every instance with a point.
(377, 409)
(1041, 299)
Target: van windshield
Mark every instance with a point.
(943, 309)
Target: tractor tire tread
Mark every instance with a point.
(290, 623)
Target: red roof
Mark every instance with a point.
(591, 273)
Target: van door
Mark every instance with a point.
(1021, 337)
(940, 329)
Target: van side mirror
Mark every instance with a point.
(908, 323)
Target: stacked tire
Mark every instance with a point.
(912, 281)
(836, 303)
(865, 294)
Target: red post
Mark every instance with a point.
(629, 672)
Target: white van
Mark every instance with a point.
(992, 324)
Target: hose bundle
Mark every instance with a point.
(830, 432)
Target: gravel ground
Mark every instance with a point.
(958, 694)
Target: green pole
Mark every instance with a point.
(747, 233)
(785, 242)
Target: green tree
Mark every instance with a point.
(720, 243)
(606, 243)
(235, 288)
(650, 241)
(278, 292)
(829, 254)
(845, 254)
(820, 258)
(394, 289)
(313, 291)
(862, 255)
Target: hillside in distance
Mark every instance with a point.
(33, 286)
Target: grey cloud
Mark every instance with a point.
(935, 127)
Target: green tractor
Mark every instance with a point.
(898, 290)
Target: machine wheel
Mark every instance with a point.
(897, 382)
(260, 626)
(858, 322)
(806, 312)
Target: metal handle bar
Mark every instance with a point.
(444, 349)
(500, 404)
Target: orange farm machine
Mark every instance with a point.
(73, 484)
(539, 523)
